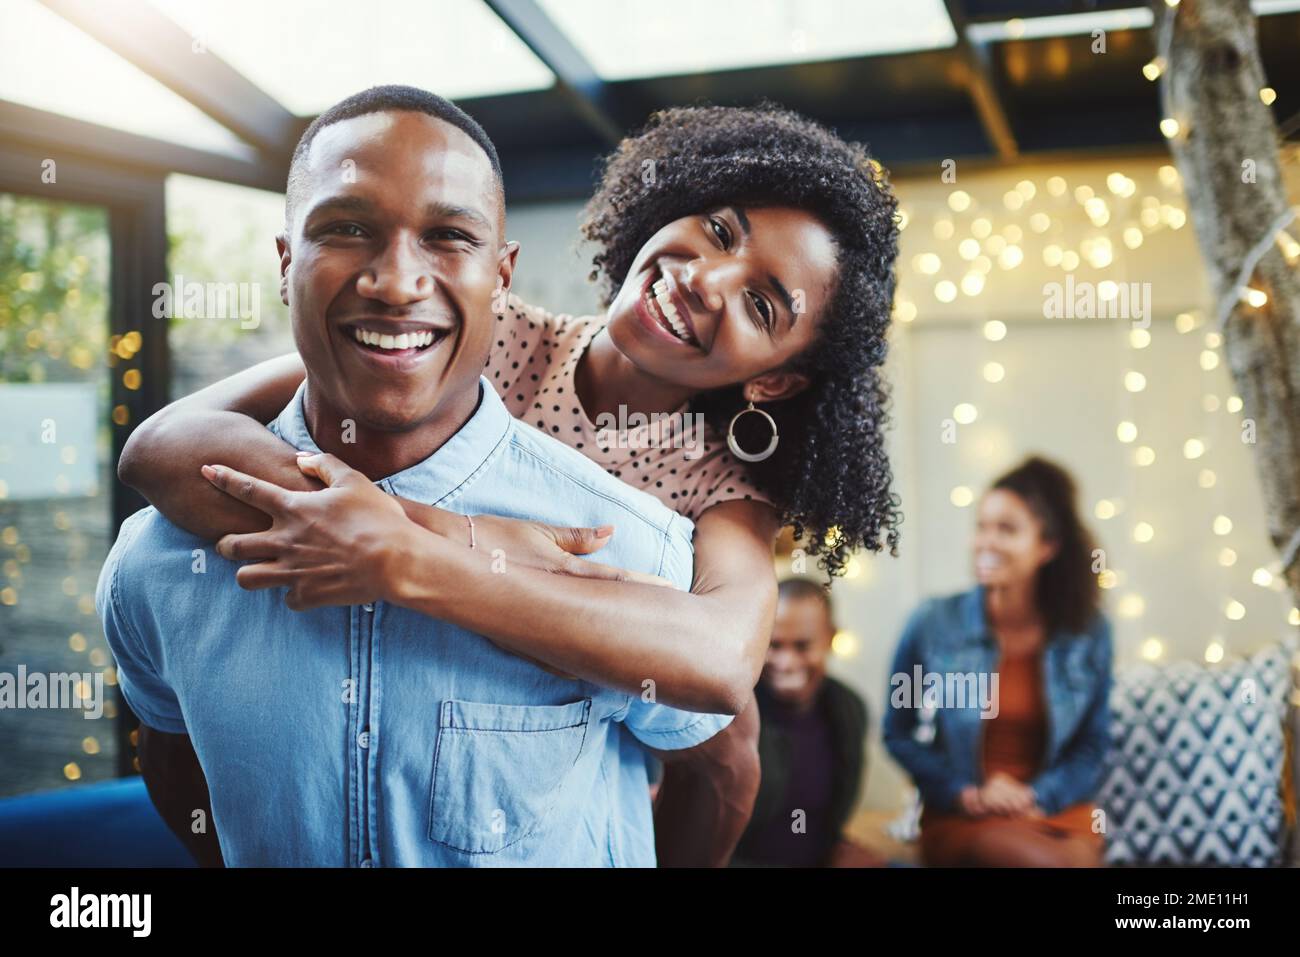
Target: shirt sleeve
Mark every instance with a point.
(143, 686)
(1078, 773)
(930, 769)
(659, 726)
(671, 729)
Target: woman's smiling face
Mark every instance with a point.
(718, 298)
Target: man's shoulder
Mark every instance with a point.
(569, 468)
(149, 527)
(546, 480)
(145, 542)
(844, 701)
(148, 559)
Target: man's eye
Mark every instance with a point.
(721, 231)
(346, 229)
(451, 236)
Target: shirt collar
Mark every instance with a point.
(975, 622)
(972, 614)
(448, 470)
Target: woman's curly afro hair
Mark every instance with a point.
(830, 475)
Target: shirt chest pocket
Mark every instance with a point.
(498, 770)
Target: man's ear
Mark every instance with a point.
(775, 385)
(282, 249)
(506, 260)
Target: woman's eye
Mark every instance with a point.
(721, 231)
(763, 308)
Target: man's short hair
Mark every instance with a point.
(383, 99)
(791, 589)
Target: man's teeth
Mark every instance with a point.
(407, 340)
(664, 301)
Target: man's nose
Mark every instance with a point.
(397, 276)
(780, 659)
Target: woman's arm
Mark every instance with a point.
(164, 457)
(703, 649)
(927, 765)
(1078, 773)
(222, 423)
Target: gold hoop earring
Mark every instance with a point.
(740, 453)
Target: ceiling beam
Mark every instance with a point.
(995, 10)
(982, 87)
(54, 136)
(576, 78)
(161, 48)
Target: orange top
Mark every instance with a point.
(678, 459)
(1015, 741)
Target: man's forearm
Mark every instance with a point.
(179, 791)
(704, 805)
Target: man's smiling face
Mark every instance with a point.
(389, 267)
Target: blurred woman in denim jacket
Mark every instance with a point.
(1006, 734)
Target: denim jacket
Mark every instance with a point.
(942, 747)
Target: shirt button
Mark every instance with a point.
(368, 607)
(363, 739)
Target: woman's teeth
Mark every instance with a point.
(407, 340)
(660, 299)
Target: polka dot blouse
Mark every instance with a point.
(677, 458)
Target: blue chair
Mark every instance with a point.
(108, 824)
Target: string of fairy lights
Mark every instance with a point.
(1172, 127)
(1118, 218)
(74, 590)
(82, 603)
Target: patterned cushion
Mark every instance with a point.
(1195, 768)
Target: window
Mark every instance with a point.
(55, 493)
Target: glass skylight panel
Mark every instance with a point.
(309, 54)
(49, 64)
(639, 39)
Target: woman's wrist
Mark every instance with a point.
(437, 520)
(422, 566)
(412, 566)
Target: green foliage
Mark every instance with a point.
(54, 268)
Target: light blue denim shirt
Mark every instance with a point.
(942, 749)
(376, 736)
